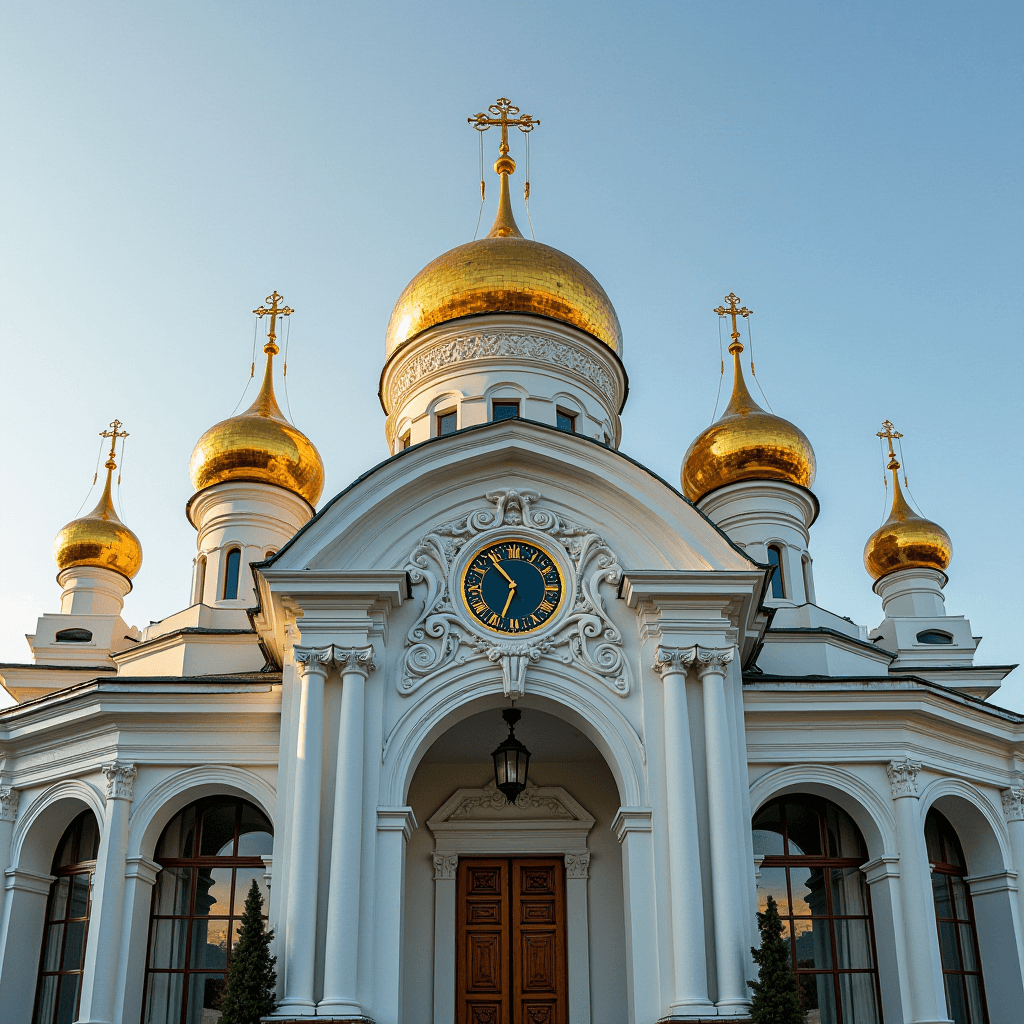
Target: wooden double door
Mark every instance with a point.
(510, 935)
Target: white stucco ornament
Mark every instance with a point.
(581, 634)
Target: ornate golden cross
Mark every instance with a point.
(734, 310)
(274, 312)
(504, 115)
(890, 433)
(113, 433)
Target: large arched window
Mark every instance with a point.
(812, 856)
(232, 567)
(67, 923)
(775, 558)
(209, 855)
(954, 914)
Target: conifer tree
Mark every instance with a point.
(252, 980)
(775, 991)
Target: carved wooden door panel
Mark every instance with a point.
(510, 935)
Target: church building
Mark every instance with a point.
(511, 730)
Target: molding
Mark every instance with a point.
(120, 779)
(446, 866)
(903, 777)
(580, 635)
(577, 865)
(8, 803)
(142, 868)
(887, 866)
(28, 881)
(632, 819)
(994, 881)
(397, 819)
(1013, 803)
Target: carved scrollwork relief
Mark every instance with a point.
(582, 636)
(577, 865)
(120, 779)
(903, 777)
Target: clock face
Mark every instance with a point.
(512, 587)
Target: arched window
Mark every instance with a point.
(812, 856)
(209, 855)
(805, 565)
(231, 568)
(200, 579)
(775, 558)
(954, 915)
(67, 923)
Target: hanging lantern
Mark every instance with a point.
(511, 760)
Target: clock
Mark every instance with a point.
(512, 586)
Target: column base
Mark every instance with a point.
(331, 1019)
(292, 1010)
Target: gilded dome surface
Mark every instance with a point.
(906, 540)
(746, 443)
(504, 273)
(259, 445)
(99, 539)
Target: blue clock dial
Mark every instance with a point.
(512, 587)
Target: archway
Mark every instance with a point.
(575, 780)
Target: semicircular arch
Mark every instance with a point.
(981, 829)
(865, 805)
(39, 828)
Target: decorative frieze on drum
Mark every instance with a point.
(513, 583)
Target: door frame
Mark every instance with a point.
(544, 822)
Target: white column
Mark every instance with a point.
(8, 812)
(446, 866)
(103, 944)
(924, 967)
(341, 945)
(577, 871)
(687, 895)
(1013, 808)
(728, 878)
(20, 938)
(140, 875)
(304, 860)
(395, 826)
(632, 827)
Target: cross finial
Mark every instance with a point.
(113, 433)
(890, 433)
(734, 310)
(503, 114)
(275, 310)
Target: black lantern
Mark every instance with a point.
(511, 760)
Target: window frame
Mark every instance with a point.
(570, 416)
(778, 577)
(235, 550)
(507, 403)
(441, 417)
(826, 863)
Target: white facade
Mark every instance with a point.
(348, 694)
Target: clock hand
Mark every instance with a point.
(497, 565)
(511, 594)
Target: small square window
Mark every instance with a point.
(504, 411)
(447, 423)
(565, 421)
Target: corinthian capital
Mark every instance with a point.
(903, 777)
(713, 659)
(354, 659)
(314, 659)
(120, 779)
(669, 660)
(1013, 803)
(8, 803)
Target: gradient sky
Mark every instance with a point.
(851, 170)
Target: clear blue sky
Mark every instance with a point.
(851, 170)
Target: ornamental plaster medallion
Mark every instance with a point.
(581, 635)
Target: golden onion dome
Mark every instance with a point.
(259, 445)
(100, 539)
(905, 540)
(746, 443)
(504, 273)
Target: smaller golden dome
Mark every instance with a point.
(905, 540)
(746, 443)
(100, 539)
(259, 445)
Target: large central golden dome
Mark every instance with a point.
(504, 273)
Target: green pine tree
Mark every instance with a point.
(252, 980)
(775, 991)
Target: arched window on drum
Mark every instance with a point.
(209, 855)
(813, 852)
(59, 987)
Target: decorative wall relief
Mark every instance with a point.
(581, 636)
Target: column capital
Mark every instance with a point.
(8, 803)
(577, 865)
(712, 660)
(631, 819)
(903, 777)
(397, 819)
(445, 866)
(673, 660)
(1013, 803)
(120, 779)
(314, 659)
(354, 659)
